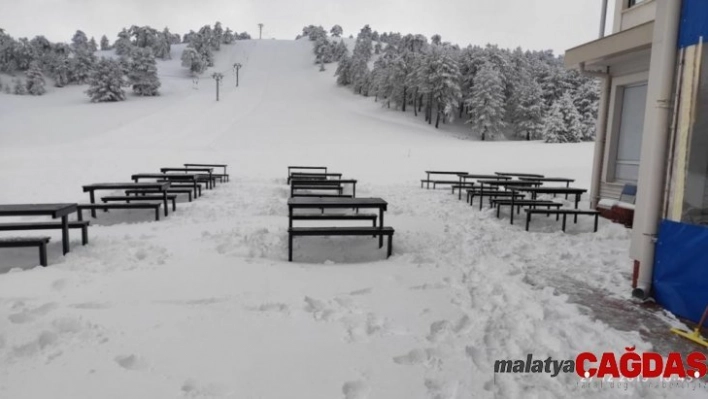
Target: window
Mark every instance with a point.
(633, 3)
(629, 134)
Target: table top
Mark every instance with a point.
(473, 176)
(548, 179)
(518, 174)
(177, 169)
(442, 172)
(179, 176)
(308, 182)
(314, 174)
(552, 190)
(307, 167)
(53, 210)
(309, 202)
(215, 165)
(124, 185)
(509, 182)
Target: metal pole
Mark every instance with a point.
(603, 18)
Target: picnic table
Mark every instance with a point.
(519, 175)
(321, 183)
(290, 168)
(53, 210)
(91, 188)
(440, 172)
(565, 180)
(507, 185)
(534, 191)
(189, 177)
(338, 203)
(208, 171)
(209, 165)
(464, 177)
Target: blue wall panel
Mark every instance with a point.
(681, 269)
(694, 22)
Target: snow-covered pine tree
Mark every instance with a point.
(192, 60)
(243, 36)
(19, 87)
(528, 114)
(143, 73)
(81, 66)
(80, 41)
(105, 44)
(35, 80)
(339, 51)
(358, 67)
(228, 36)
(92, 46)
(486, 105)
(444, 84)
(342, 72)
(61, 72)
(217, 36)
(106, 82)
(586, 101)
(162, 47)
(123, 45)
(336, 31)
(23, 53)
(563, 122)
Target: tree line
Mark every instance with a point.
(76, 63)
(497, 92)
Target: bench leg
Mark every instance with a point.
(43, 254)
(79, 215)
(498, 210)
(528, 220)
(564, 217)
(390, 246)
(174, 204)
(84, 235)
(65, 234)
(596, 220)
(157, 214)
(93, 201)
(290, 247)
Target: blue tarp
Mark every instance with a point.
(681, 269)
(694, 22)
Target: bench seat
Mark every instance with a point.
(144, 205)
(128, 198)
(83, 225)
(153, 191)
(564, 213)
(310, 195)
(499, 202)
(491, 194)
(331, 216)
(436, 182)
(25, 242)
(339, 231)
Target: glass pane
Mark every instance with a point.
(627, 172)
(629, 145)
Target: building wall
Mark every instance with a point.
(629, 17)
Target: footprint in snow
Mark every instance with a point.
(130, 362)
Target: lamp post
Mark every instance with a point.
(217, 76)
(237, 66)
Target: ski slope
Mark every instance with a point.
(205, 305)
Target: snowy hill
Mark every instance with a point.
(204, 304)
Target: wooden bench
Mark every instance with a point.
(490, 193)
(562, 212)
(322, 195)
(143, 192)
(128, 198)
(106, 207)
(436, 182)
(196, 187)
(520, 202)
(339, 231)
(25, 242)
(332, 216)
(336, 188)
(83, 225)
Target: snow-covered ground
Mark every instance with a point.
(205, 305)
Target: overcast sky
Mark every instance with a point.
(531, 24)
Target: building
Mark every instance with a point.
(653, 132)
